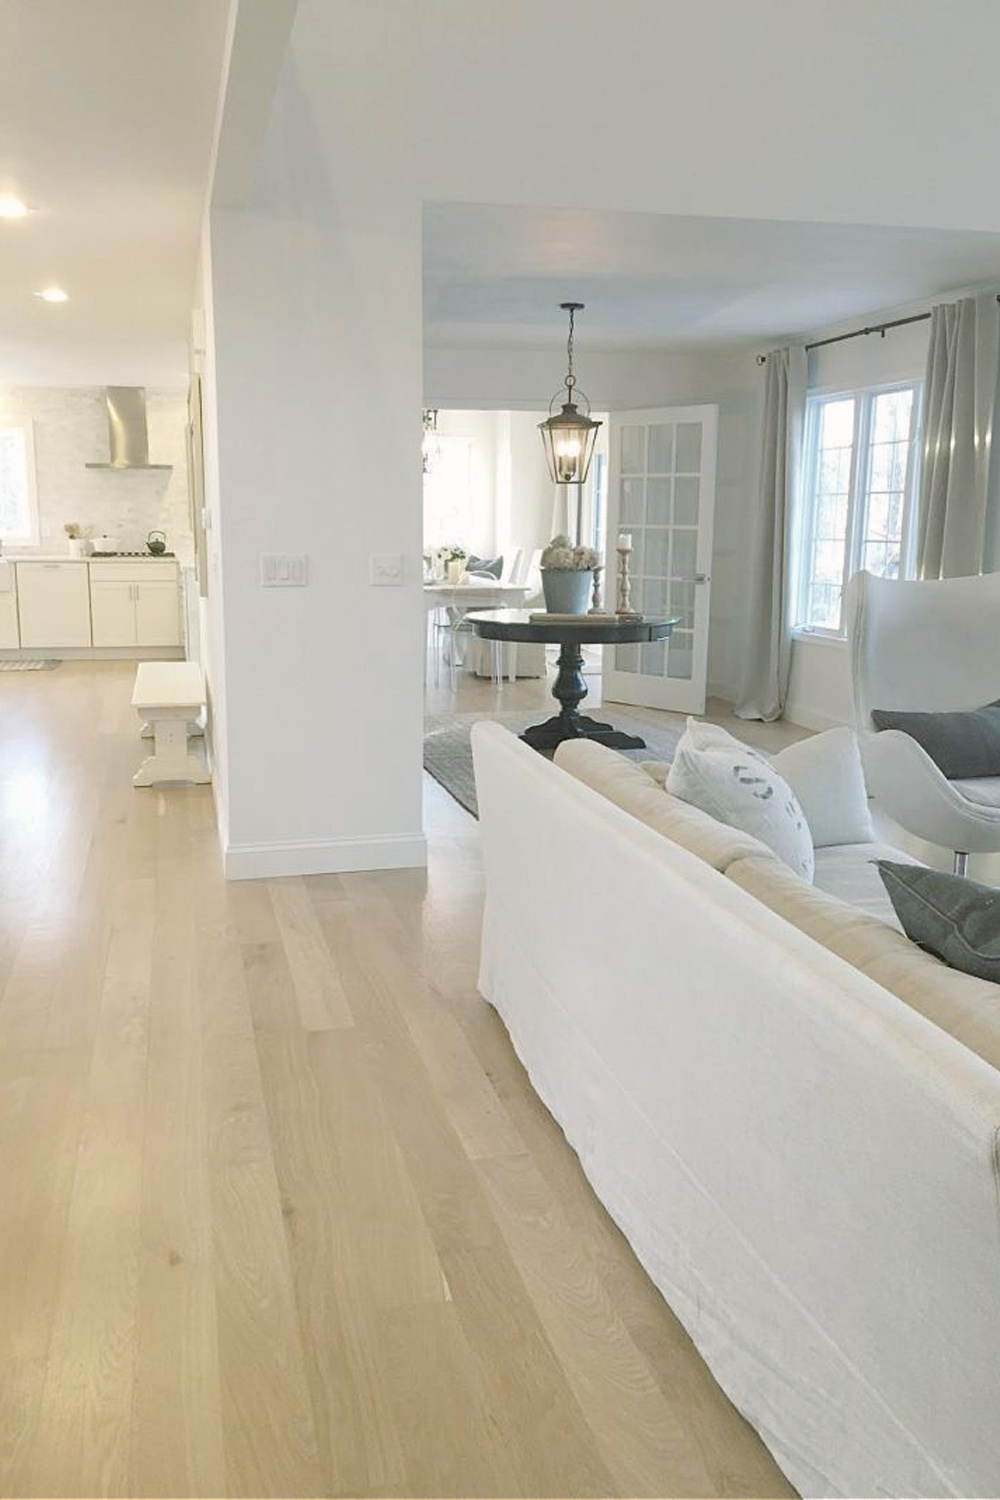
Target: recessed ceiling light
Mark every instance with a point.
(11, 207)
(53, 294)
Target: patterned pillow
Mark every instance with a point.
(738, 786)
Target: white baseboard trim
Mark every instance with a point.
(324, 857)
(93, 653)
(805, 718)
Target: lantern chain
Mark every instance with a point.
(570, 377)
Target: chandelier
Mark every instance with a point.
(430, 446)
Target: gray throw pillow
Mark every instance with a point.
(490, 565)
(954, 918)
(962, 745)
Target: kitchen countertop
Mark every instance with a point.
(64, 557)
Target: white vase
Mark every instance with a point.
(455, 571)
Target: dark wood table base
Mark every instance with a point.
(546, 737)
(570, 688)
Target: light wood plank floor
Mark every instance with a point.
(279, 1212)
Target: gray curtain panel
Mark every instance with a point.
(768, 624)
(959, 529)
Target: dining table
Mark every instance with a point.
(476, 593)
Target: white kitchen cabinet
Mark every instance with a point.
(157, 614)
(53, 600)
(10, 635)
(135, 604)
(112, 610)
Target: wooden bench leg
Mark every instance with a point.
(171, 760)
(194, 728)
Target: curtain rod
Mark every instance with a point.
(859, 333)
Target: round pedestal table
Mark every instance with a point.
(570, 687)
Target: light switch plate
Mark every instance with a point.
(281, 571)
(386, 569)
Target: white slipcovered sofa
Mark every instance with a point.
(790, 1110)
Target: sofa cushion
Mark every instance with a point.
(962, 744)
(982, 789)
(629, 787)
(955, 918)
(736, 784)
(967, 1008)
(849, 872)
(825, 773)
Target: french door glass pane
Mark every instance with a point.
(686, 498)
(632, 506)
(633, 450)
(661, 448)
(688, 448)
(659, 502)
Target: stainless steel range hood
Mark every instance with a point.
(128, 438)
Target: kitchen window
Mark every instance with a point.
(18, 502)
(860, 479)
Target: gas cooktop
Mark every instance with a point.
(144, 553)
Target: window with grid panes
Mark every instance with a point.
(858, 496)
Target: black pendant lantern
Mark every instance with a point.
(568, 436)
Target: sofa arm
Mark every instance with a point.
(911, 789)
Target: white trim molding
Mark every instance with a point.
(324, 856)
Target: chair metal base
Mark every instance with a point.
(961, 866)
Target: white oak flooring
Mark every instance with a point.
(279, 1212)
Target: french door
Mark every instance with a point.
(662, 490)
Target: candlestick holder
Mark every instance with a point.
(597, 607)
(625, 610)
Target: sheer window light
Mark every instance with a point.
(858, 504)
(18, 504)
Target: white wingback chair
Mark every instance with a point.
(927, 647)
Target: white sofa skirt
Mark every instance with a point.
(805, 1166)
(527, 658)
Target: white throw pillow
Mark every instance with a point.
(826, 775)
(737, 785)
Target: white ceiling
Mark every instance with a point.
(107, 111)
(494, 275)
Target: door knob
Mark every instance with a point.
(703, 578)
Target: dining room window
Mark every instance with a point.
(18, 498)
(448, 493)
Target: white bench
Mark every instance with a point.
(167, 694)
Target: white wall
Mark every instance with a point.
(70, 430)
(72, 364)
(317, 320)
(532, 493)
(317, 388)
(212, 617)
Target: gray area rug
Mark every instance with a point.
(448, 745)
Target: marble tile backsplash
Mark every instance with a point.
(71, 430)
